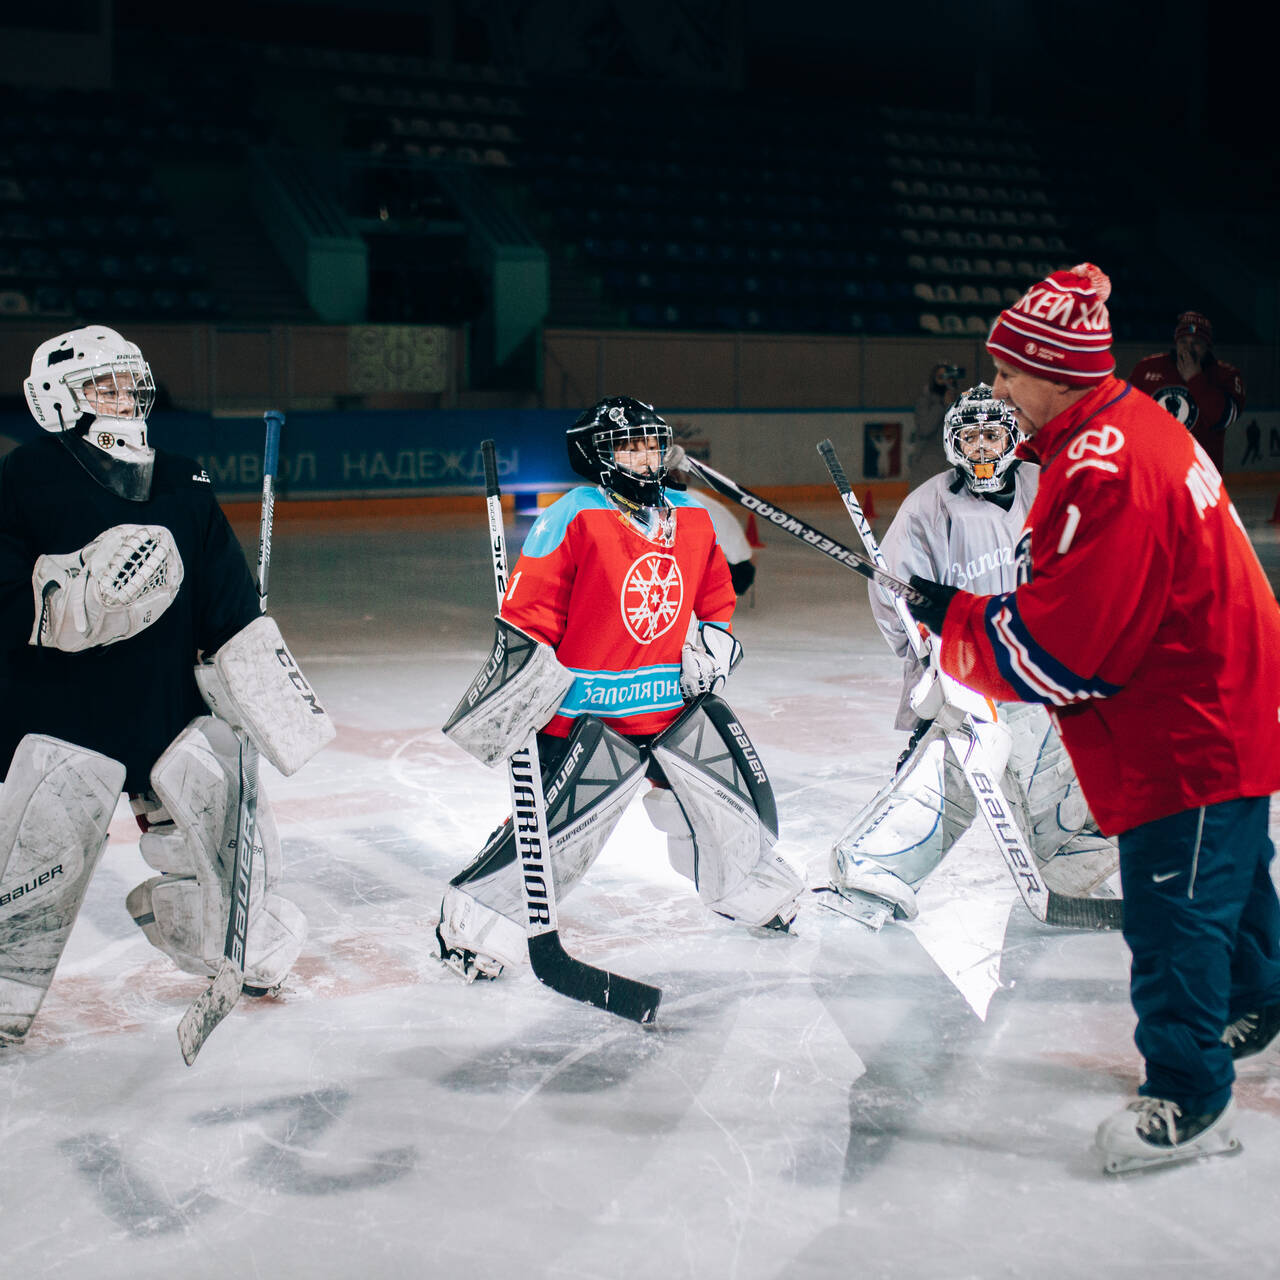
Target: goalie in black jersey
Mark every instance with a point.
(118, 572)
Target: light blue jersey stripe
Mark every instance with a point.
(619, 693)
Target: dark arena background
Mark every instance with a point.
(412, 226)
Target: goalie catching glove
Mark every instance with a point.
(707, 660)
(113, 588)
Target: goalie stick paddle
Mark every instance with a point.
(219, 998)
(1053, 908)
(551, 963)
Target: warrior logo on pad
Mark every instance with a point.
(651, 595)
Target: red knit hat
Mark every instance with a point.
(1059, 329)
(1194, 322)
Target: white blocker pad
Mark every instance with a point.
(191, 838)
(515, 693)
(727, 801)
(254, 684)
(113, 588)
(483, 907)
(1073, 855)
(55, 807)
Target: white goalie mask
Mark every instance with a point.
(97, 373)
(980, 434)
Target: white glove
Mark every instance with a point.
(706, 661)
(118, 585)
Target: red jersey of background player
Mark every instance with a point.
(1210, 400)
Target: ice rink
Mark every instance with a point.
(916, 1103)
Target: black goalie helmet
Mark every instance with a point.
(622, 444)
(980, 434)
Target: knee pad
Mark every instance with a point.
(586, 791)
(190, 827)
(724, 793)
(663, 810)
(55, 808)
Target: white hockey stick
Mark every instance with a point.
(219, 998)
(1043, 903)
(550, 962)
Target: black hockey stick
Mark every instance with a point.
(1044, 903)
(219, 998)
(807, 534)
(551, 963)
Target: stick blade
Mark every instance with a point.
(625, 997)
(208, 1009)
(1084, 913)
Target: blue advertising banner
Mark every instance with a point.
(354, 454)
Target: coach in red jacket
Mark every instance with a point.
(1144, 619)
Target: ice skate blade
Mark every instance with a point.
(1117, 1166)
(471, 968)
(869, 912)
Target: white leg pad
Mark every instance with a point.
(483, 907)
(55, 808)
(192, 841)
(909, 826)
(1074, 857)
(727, 802)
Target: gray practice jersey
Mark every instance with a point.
(952, 537)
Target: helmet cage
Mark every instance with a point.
(603, 448)
(974, 415)
(105, 389)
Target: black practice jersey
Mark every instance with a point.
(130, 699)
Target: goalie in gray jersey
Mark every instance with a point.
(962, 528)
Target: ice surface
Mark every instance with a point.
(915, 1103)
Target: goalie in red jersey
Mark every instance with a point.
(613, 639)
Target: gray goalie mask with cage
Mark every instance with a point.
(623, 445)
(980, 435)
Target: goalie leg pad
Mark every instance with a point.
(1073, 855)
(907, 828)
(55, 808)
(515, 693)
(254, 684)
(586, 789)
(727, 801)
(190, 838)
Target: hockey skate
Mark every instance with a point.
(1151, 1132)
(868, 910)
(1252, 1032)
(468, 965)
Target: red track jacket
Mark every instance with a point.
(1144, 618)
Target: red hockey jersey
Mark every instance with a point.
(1206, 406)
(616, 605)
(1143, 617)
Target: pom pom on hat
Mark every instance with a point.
(1059, 329)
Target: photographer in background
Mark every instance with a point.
(926, 455)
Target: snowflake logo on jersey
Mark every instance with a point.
(652, 593)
